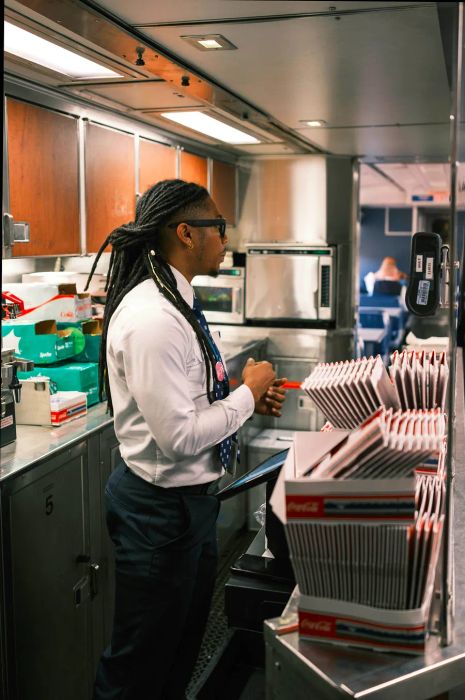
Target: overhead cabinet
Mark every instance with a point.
(43, 178)
(194, 168)
(110, 182)
(156, 162)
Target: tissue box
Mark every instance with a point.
(39, 407)
(40, 342)
(71, 377)
(41, 301)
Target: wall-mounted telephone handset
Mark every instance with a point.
(429, 274)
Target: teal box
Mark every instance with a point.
(40, 342)
(92, 332)
(71, 377)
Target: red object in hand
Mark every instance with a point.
(291, 385)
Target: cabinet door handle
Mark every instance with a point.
(81, 591)
(94, 578)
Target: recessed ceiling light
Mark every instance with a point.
(198, 121)
(31, 47)
(313, 122)
(209, 42)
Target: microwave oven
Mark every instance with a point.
(291, 282)
(223, 297)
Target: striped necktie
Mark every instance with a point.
(229, 445)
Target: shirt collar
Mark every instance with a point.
(184, 288)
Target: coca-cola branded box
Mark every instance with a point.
(364, 551)
(42, 302)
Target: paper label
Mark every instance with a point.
(6, 422)
(423, 292)
(419, 263)
(429, 268)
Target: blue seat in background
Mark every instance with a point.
(387, 287)
(397, 314)
(373, 319)
(379, 301)
(374, 331)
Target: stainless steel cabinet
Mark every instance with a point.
(48, 588)
(56, 598)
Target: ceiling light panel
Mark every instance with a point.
(313, 122)
(198, 121)
(33, 48)
(209, 42)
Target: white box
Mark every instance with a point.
(39, 407)
(349, 624)
(97, 282)
(57, 302)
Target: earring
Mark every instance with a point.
(191, 245)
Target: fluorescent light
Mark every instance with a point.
(198, 121)
(210, 43)
(33, 48)
(314, 122)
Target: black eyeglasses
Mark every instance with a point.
(219, 223)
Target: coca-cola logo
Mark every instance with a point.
(307, 507)
(308, 625)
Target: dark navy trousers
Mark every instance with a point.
(165, 566)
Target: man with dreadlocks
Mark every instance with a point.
(176, 423)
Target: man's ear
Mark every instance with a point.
(184, 234)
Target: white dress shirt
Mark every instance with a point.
(167, 429)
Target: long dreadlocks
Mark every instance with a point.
(136, 256)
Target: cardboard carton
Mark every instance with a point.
(92, 331)
(349, 542)
(41, 301)
(71, 377)
(349, 624)
(40, 342)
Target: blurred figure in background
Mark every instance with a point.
(388, 271)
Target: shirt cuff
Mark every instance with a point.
(243, 401)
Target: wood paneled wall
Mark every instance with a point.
(156, 162)
(194, 168)
(44, 180)
(223, 190)
(110, 182)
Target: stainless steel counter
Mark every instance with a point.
(35, 443)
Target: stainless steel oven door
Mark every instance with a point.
(285, 284)
(221, 298)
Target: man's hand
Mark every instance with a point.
(259, 377)
(270, 404)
